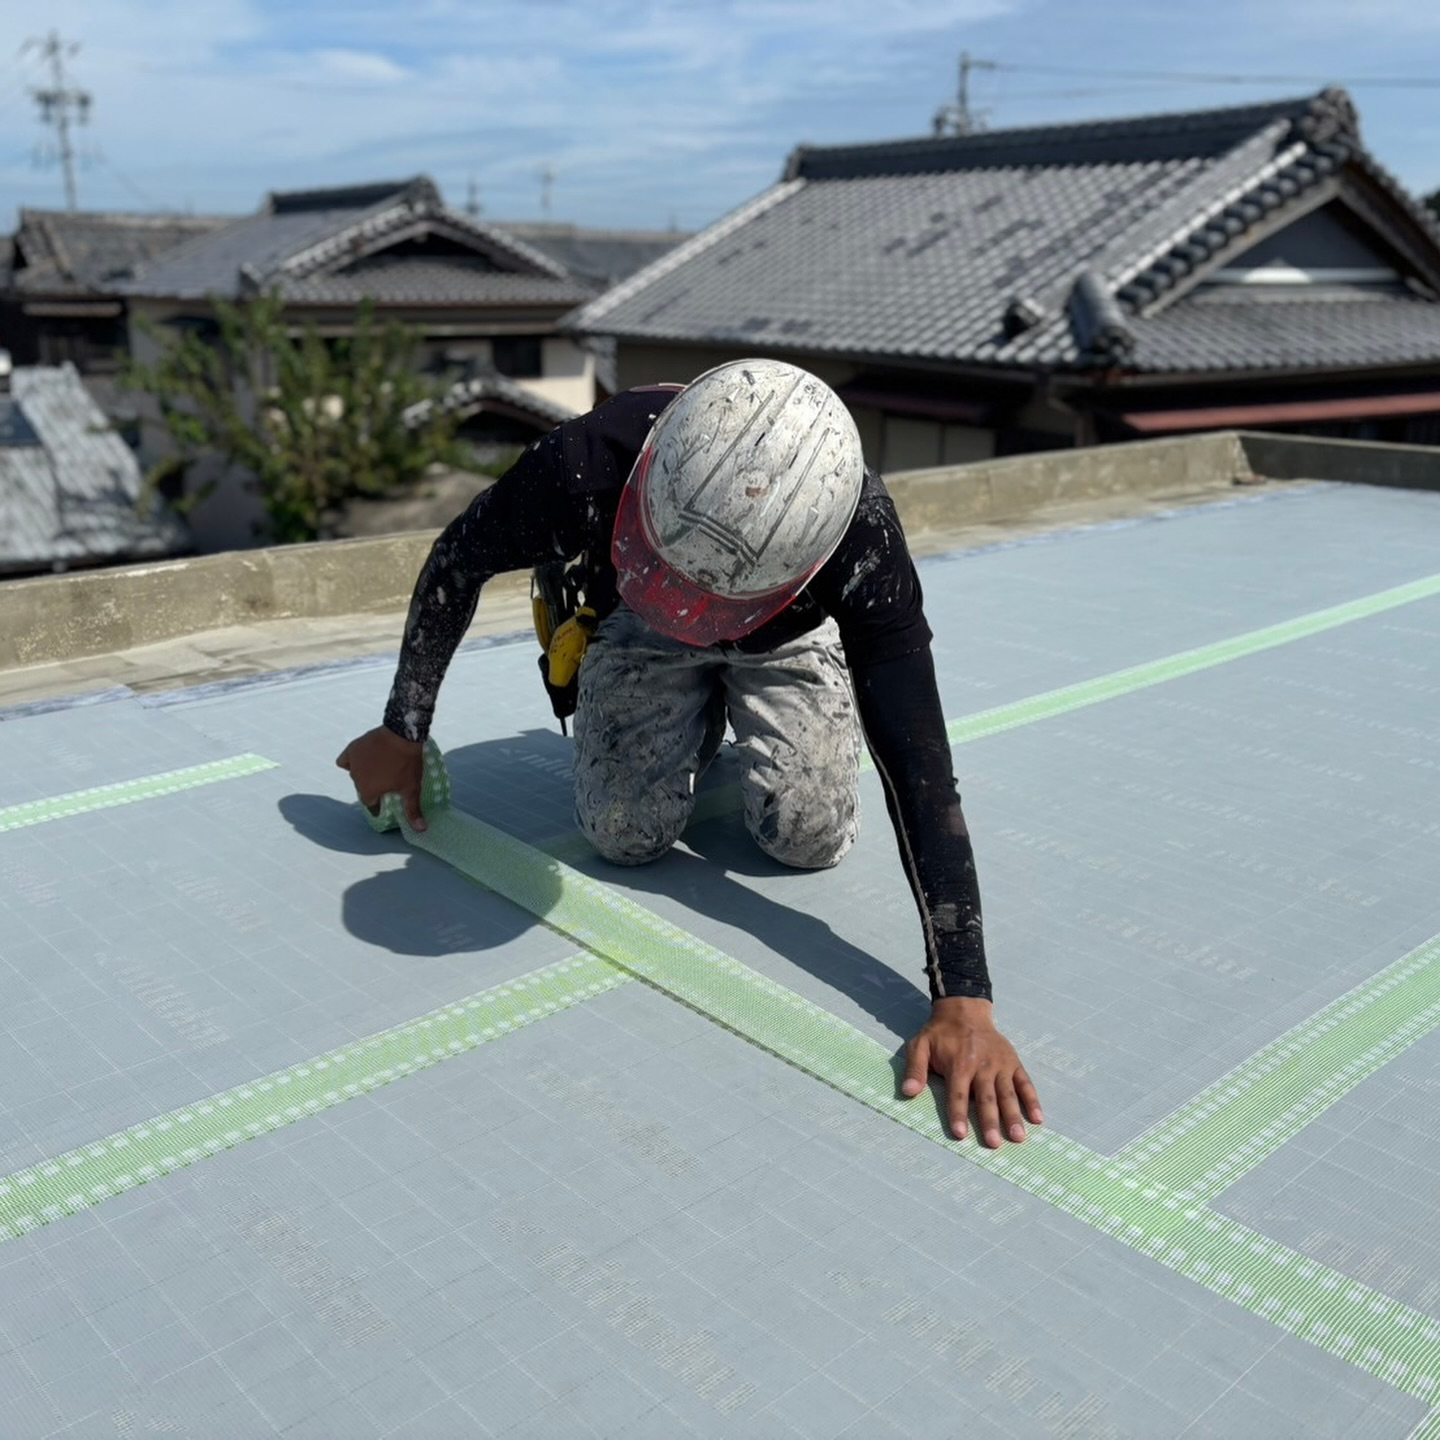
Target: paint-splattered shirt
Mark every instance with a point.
(559, 501)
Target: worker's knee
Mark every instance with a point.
(629, 834)
(804, 829)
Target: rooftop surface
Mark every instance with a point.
(623, 1159)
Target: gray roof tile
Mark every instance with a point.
(1330, 329)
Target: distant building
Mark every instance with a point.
(1024, 289)
(60, 286)
(71, 492)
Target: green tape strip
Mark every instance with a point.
(93, 1173)
(1207, 1144)
(1172, 667)
(1346, 1318)
(128, 792)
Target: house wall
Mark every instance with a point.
(567, 375)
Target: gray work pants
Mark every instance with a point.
(652, 714)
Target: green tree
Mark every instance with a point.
(315, 421)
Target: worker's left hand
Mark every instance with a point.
(960, 1043)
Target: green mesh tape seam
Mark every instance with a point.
(1347, 1318)
(81, 1178)
(1232, 1125)
(1187, 662)
(127, 792)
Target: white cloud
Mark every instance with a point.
(361, 66)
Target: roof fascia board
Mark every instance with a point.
(587, 317)
(1367, 192)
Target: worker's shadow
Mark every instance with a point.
(426, 908)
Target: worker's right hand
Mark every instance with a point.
(383, 763)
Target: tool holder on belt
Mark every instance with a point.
(564, 624)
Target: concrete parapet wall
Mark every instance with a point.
(64, 617)
(975, 494)
(1355, 462)
(67, 617)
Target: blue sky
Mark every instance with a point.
(646, 113)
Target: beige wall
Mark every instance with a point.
(568, 376)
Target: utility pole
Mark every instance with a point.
(472, 199)
(547, 183)
(57, 101)
(959, 118)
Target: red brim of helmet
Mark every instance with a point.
(672, 604)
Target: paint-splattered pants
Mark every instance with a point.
(652, 715)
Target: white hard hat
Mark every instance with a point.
(742, 491)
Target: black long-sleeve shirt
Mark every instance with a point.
(559, 500)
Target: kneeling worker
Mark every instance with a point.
(746, 568)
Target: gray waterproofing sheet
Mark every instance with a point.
(625, 1220)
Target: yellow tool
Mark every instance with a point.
(563, 626)
(567, 645)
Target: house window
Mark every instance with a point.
(517, 356)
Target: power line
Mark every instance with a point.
(57, 101)
(141, 195)
(1406, 82)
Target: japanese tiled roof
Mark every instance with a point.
(71, 491)
(1063, 247)
(64, 252)
(336, 247)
